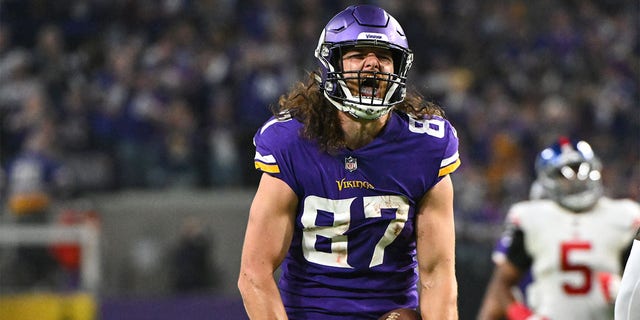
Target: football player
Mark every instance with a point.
(490, 307)
(355, 202)
(574, 243)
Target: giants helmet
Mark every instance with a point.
(569, 172)
(363, 26)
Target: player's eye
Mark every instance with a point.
(353, 55)
(385, 57)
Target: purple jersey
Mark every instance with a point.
(353, 249)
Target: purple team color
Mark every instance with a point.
(353, 249)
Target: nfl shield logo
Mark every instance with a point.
(351, 164)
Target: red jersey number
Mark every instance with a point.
(567, 248)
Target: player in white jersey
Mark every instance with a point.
(628, 300)
(574, 243)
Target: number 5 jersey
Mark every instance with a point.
(353, 247)
(568, 253)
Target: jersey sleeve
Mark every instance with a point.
(512, 244)
(272, 155)
(451, 158)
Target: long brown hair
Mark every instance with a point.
(306, 103)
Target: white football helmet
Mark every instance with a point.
(569, 172)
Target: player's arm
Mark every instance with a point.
(492, 308)
(500, 302)
(435, 237)
(510, 272)
(511, 262)
(629, 294)
(267, 239)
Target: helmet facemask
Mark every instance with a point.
(363, 94)
(571, 175)
(576, 186)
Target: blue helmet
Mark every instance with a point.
(569, 172)
(363, 26)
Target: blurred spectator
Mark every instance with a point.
(191, 267)
(35, 177)
(75, 130)
(140, 135)
(110, 88)
(50, 62)
(224, 160)
(35, 181)
(109, 73)
(30, 113)
(180, 147)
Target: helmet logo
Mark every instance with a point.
(372, 36)
(325, 51)
(328, 86)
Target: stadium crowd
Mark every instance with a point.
(168, 94)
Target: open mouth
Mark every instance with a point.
(369, 87)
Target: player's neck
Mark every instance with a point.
(357, 132)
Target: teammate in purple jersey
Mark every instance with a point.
(355, 203)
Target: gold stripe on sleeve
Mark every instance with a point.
(448, 169)
(268, 168)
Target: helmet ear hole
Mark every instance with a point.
(336, 58)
